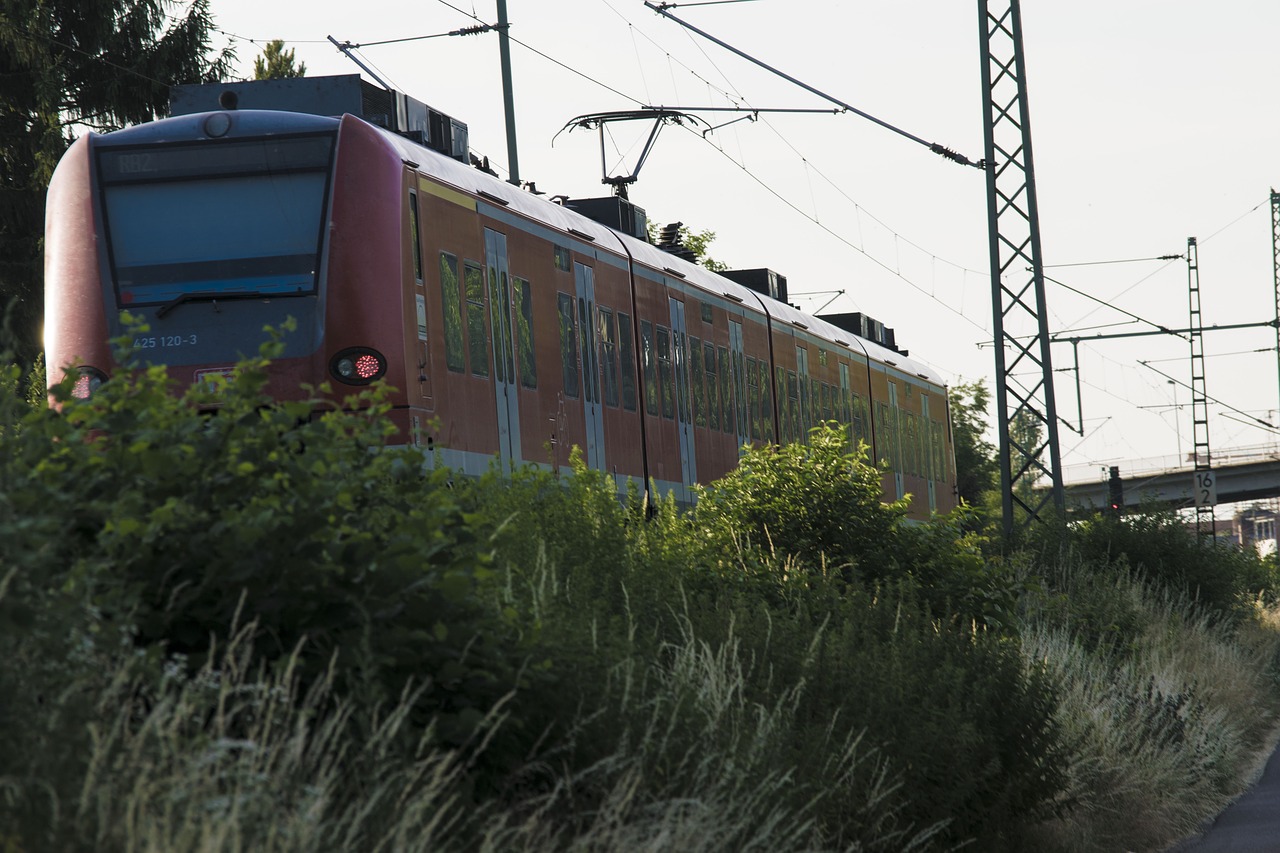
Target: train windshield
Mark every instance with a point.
(233, 216)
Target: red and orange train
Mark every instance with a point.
(509, 326)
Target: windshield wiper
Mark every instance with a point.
(209, 296)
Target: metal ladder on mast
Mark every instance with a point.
(1206, 523)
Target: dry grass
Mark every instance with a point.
(237, 757)
(1166, 733)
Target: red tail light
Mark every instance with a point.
(358, 366)
(89, 380)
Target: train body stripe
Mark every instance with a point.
(441, 191)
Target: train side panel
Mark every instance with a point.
(75, 319)
(511, 328)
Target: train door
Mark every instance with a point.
(739, 383)
(584, 282)
(504, 373)
(895, 441)
(846, 407)
(422, 352)
(802, 374)
(684, 420)
(926, 440)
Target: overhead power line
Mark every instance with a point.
(1120, 261)
(935, 147)
(465, 31)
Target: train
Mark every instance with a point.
(510, 327)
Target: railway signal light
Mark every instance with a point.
(1115, 492)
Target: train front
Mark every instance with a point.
(205, 230)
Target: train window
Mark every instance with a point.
(907, 464)
(562, 259)
(793, 408)
(626, 347)
(783, 433)
(664, 372)
(726, 391)
(697, 380)
(713, 387)
(887, 429)
(500, 299)
(740, 389)
(939, 450)
(766, 403)
(912, 435)
(252, 217)
(589, 375)
(608, 356)
(681, 356)
(845, 413)
(414, 236)
(451, 298)
(803, 411)
(753, 397)
(826, 399)
(524, 332)
(477, 319)
(568, 344)
(707, 315)
(650, 365)
(929, 453)
(860, 431)
(813, 404)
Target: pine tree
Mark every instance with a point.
(67, 66)
(276, 62)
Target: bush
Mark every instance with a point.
(787, 666)
(177, 524)
(1220, 578)
(817, 502)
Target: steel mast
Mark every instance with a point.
(1206, 525)
(1275, 264)
(1027, 415)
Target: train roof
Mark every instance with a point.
(471, 180)
(559, 217)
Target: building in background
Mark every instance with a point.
(1256, 526)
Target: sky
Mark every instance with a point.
(1152, 121)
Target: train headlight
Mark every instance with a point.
(89, 380)
(358, 366)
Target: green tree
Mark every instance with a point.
(276, 63)
(65, 67)
(977, 468)
(694, 241)
(698, 243)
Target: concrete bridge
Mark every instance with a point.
(1244, 474)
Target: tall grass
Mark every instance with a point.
(250, 633)
(697, 766)
(237, 757)
(1165, 719)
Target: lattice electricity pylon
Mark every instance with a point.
(1206, 524)
(1027, 416)
(1275, 265)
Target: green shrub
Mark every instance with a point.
(833, 680)
(179, 523)
(817, 502)
(1221, 578)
